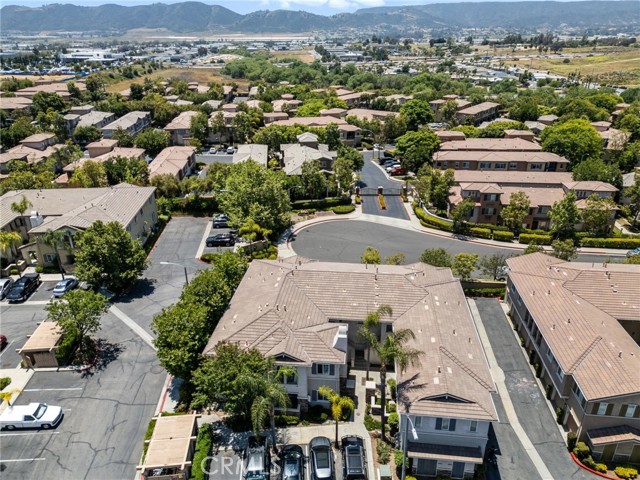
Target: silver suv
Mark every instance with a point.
(256, 460)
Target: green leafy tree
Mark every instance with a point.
(354, 156)
(106, 255)
(368, 330)
(86, 134)
(342, 177)
(564, 249)
(52, 121)
(633, 194)
(461, 212)
(20, 129)
(576, 140)
(90, 175)
(630, 157)
(216, 380)
(464, 264)
(596, 169)
(21, 206)
(493, 265)
(137, 91)
(524, 109)
(393, 127)
(596, 213)
(124, 138)
(433, 186)
(254, 191)
(371, 256)
(181, 334)
(340, 406)
(395, 259)
(533, 247)
(448, 112)
(152, 140)
(128, 170)
(417, 113)
(564, 214)
(167, 185)
(78, 315)
(514, 214)
(252, 231)
(438, 257)
(582, 108)
(43, 101)
(416, 148)
(275, 135)
(56, 239)
(8, 240)
(312, 180)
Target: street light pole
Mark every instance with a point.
(405, 443)
(186, 277)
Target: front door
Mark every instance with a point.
(607, 454)
(458, 470)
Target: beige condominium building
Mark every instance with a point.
(307, 314)
(580, 323)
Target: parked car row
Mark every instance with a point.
(22, 288)
(221, 150)
(291, 462)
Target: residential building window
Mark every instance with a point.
(560, 374)
(444, 164)
(535, 166)
(631, 410)
(549, 354)
(485, 165)
(465, 164)
(540, 210)
(457, 164)
(417, 422)
(316, 396)
(579, 396)
(581, 194)
(473, 426)
(49, 257)
(389, 328)
(438, 164)
(446, 424)
(291, 379)
(602, 408)
(488, 211)
(500, 166)
(323, 369)
(513, 165)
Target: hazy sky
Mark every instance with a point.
(322, 7)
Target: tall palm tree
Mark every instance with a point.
(339, 405)
(366, 330)
(269, 393)
(394, 350)
(21, 206)
(55, 238)
(8, 240)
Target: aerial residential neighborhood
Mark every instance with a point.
(326, 242)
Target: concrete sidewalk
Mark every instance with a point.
(285, 250)
(19, 379)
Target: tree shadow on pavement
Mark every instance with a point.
(107, 352)
(141, 288)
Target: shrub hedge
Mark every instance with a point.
(623, 243)
(4, 381)
(66, 348)
(286, 420)
(194, 205)
(371, 423)
(484, 292)
(527, 238)
(432, 222)
(502, 236)
(342, 209)
(581, 450)
(321, 204)
(480, 232)
(626, 472)
(493, 228)
(202, 451)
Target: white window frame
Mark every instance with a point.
(631, 410)
(445, 423)
(602, 408)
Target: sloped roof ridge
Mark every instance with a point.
(289, 277)
(584, 355)
(466, 369)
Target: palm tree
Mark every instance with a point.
(339, 405)
(55, 238)
(269, 394)
(394, 350)
(8, 240)
(366, 330)
(21, 206)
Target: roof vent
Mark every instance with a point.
(620, 354)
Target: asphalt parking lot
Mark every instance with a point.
(18, 321)
(106, 410)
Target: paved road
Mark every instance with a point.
(345, 240)
(530, 405)
(372, 176)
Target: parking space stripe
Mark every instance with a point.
(6, 349)
(38, 432)
(207, 232)
(13, 460)
(49, 389)
(137, 329)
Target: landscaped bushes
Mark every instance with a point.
(321, 204)
(4, 381)
(581, 450)
(527, 238)
(343, 209)
(480, 232)
(66, 349)
(202, 451)
(626, 472)
(287, 420)
(384, 451)
(371, 423)
(502, 236)
(493, 228)
(432, 222)
(485, 292)
(611, 242)
(194, 205)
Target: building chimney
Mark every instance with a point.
(340, 340)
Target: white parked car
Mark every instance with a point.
(34, 415)
(5, 286)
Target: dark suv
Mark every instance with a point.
(292, 463)
(256, 460)
(220, 221)
(354, 458)
(24, 287)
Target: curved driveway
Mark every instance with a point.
(345, 240)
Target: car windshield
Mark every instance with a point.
(40, 411)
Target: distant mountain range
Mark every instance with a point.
(191, 17)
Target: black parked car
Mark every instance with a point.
(321, 455)
(292, 463)
(354, 458)
(221, 240)
(23, 287)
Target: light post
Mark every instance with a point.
(186, 277)
(406, 441)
